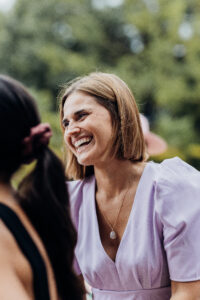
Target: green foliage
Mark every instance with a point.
(152, 44)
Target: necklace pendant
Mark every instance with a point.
(113, 235)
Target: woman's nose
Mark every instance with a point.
(72, 130)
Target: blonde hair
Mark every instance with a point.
(110, 91)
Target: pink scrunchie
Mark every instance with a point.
(39, 136)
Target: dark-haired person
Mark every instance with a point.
(37, 237)
(137, 221)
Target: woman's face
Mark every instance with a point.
(88, 129)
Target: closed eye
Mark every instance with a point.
(82, 115)
(78, 116)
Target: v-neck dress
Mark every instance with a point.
(161, 241)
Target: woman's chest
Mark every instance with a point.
(113, 218)
(112, 224)
(137, 261)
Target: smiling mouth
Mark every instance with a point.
(80, 144)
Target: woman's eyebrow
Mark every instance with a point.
(79, 111)
(76, 113)
(83, 110)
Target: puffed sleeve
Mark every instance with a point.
(75, 198)
(178, 207)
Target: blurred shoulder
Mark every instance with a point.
(15, 270)
(10, 253)
(7, 245)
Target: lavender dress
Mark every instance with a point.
(161, 241)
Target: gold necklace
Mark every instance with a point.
(113, 234)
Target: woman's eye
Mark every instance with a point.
(82, 115)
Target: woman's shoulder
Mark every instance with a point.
(174, 172)
(177, 165)
(177, 189)
(177, 199)
(7, 244)
(14, 266)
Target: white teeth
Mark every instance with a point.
(81, 141)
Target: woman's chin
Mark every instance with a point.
(84, 161)
(85, 158)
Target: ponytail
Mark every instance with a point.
(43, 196)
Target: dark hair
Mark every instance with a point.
(42, 193)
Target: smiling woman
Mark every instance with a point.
(97, 92)
(87, 131)
(136, 220)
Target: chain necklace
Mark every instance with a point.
(113, 234)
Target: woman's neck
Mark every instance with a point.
(116, 176)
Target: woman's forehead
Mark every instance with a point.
(78, 101)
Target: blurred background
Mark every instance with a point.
(153, 45)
